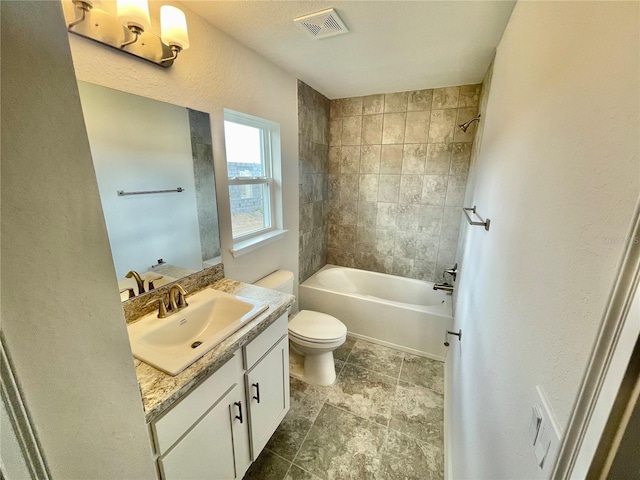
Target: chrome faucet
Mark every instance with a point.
(447, 287)
(136, 275)
(443, 286)
(177, 298)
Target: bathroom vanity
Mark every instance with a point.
(214, 418)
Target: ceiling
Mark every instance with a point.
(392, 46)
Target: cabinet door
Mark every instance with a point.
(267, 385)
(206, 451)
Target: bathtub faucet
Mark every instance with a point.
(443, 286)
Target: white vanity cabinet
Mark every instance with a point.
(267, 386)
(220, 427)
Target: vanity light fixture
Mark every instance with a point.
(128, 31)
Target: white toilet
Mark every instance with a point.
(313, 335)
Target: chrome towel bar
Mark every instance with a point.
(122, 193)
(484, 223)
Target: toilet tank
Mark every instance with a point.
(281, 280)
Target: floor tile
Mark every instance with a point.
(288, 437)
(419, 413)
(377, 358)
(365, 393)
(316, 391)
(268, 466)
(424, 372)
(407, 458)
(296, 473)
(341, 445)
(342, 352)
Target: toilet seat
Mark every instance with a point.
(316, 327)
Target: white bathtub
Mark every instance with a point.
(398, 312)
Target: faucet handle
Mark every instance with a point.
(162, 308)
(451, 271)
(153, 279)
(131, 291)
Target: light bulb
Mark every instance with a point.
(173, 26)
(134, 13)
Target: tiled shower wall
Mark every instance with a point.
(398, 167)
(313, 146)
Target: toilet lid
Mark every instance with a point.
(316, 326)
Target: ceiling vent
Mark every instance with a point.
(322, 24)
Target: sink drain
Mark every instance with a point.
(196, 344)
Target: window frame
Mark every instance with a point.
(270, 180)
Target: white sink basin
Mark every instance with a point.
(173, 343)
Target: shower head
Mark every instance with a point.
(465, 125)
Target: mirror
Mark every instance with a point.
(154, 166)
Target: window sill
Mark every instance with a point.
(246, 246)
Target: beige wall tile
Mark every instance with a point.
(393, 128)
(384, 242)
(347, 213)
(445, 97)
(427, 248)
(395, 102)
(469, 95)
(420, 100)
(414, 157)
(351, 130)
(367, 212)
(404, 245)
(349, 189)
(411, 189)
(430, 220)
(372, 129)
(391, 159)
(438, 159)
(387, 214)
(372, 104)
(352, 106)
(408, 215)
(388, 188)
(368, 189)
(370, 158)
(335, 107)
(350, 159)
(455, 191)
(334, 159)
(442, 125)
(434, 189)
(335, 131)
(460, 158)
(417, 127)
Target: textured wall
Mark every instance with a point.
(61, 313)
(398, 168)
(313, 146)
(558, 173)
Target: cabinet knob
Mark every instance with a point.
(257, 395)
(239, 405)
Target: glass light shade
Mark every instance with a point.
(134, 12)
(173, 26)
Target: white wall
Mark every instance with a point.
(61, 313)
(216, 72)
(558, 173)
(140, 144)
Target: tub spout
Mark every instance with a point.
(443, 286)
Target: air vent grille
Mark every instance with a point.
(322, 24)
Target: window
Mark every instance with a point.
(253, 166)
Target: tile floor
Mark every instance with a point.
(382, 419)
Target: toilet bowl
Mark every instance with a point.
(313, 336)
(316, 335)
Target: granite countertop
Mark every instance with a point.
(160, 390)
